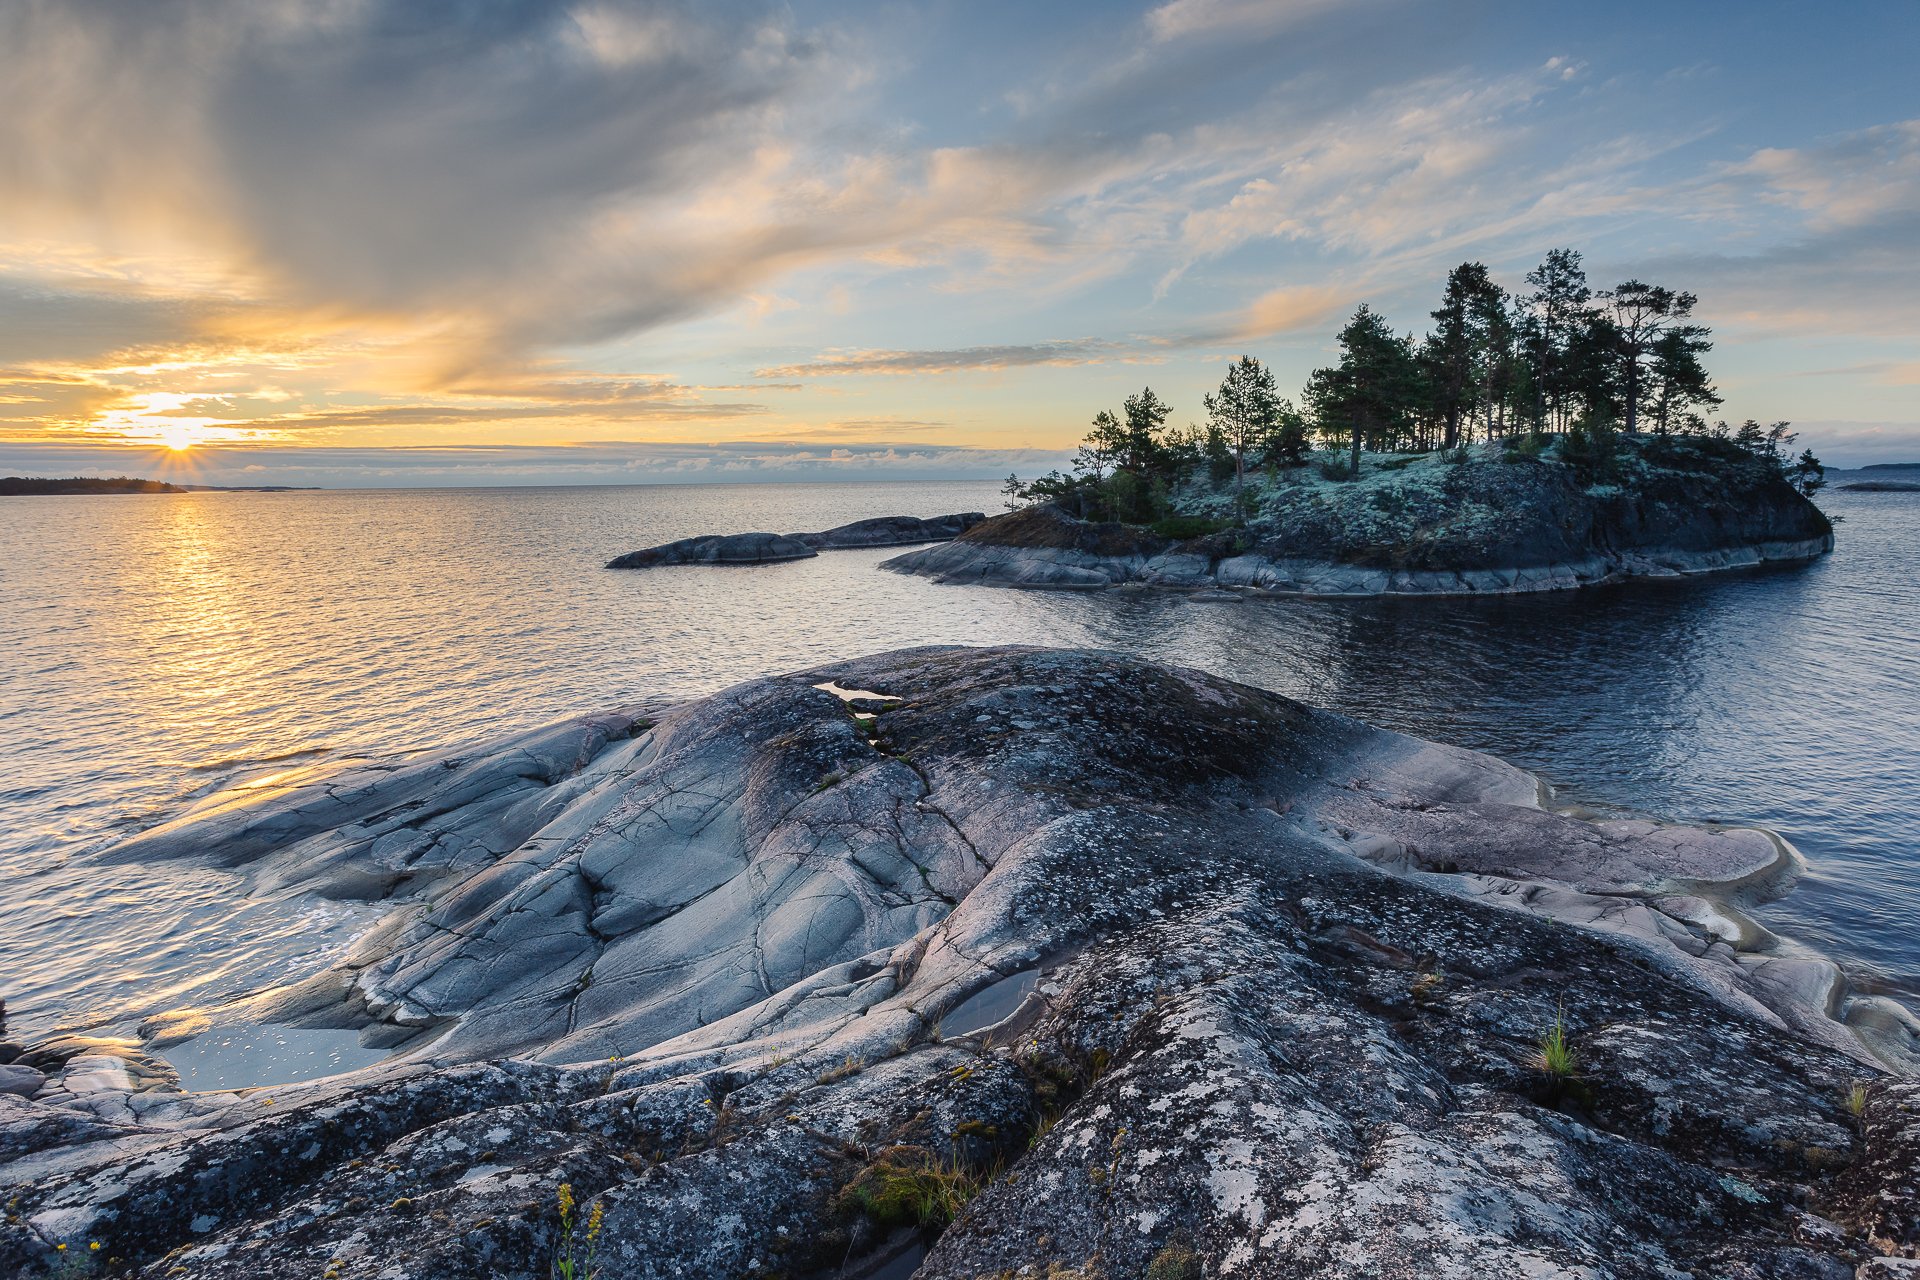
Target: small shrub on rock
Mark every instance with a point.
(1175, 1262)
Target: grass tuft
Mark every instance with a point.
(1856, 1099)
(1556, 1058)
(909, 1186)
(851, 1066)
(1175, 1262)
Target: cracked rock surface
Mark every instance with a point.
(1120, 970)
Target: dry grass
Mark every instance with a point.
(909, 1186)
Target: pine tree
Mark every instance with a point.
(1642, 315)
(1677, 380)
(1245, 410)
(1560, 307)
(1375, 390)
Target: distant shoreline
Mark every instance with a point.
(36, 487)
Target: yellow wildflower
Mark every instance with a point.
(94, 1245)
(566, 1199)
(593, 1220)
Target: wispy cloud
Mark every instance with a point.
(604, 462)
(1185, 19)
(1077, 351)
(375, 220)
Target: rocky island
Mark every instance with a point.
(37, 486)
(1527, 442)
(1486, 519)
(772, 548)
(960, 963)
(1887, 477)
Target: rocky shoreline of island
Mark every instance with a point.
(1488, 522)
(993, 961)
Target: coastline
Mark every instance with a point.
(1067, 569)
(296, 832)
(725, 936)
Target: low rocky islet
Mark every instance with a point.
(1480, 522)
(773, 548)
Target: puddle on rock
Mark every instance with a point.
(254, 1057)
(984, 1008)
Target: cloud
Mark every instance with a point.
(1077, 351)
(611, 462)
(411, 222)
(1855, 444)
(380, 155)
(440, 415)
(1293, 309)
(1850, 180)
(882, 429)
(1184, 19)
(1890, 373)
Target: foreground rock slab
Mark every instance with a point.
(772, 548)
(998, 962)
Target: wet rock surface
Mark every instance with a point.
(1061, 963)
(1433, 528)
(773, 548)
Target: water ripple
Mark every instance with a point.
(160, 647)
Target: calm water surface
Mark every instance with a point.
(155, 648)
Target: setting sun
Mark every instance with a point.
(178, 438)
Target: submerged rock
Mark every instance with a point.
(1265, 994)
(1423, 526)
(772, 548)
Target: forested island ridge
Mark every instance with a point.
(1552, 439)
(36, 486)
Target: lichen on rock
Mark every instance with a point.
(1278, 983)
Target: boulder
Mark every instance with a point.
(22, 1081)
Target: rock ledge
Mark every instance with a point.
(1126, 969)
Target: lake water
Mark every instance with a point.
(155, 648)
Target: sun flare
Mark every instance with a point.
(180, 438)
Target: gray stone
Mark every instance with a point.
(1267, 992)
(892, 531)
(20, 1081)
(774, 548)
(725, 549)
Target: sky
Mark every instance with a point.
(391, 242)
